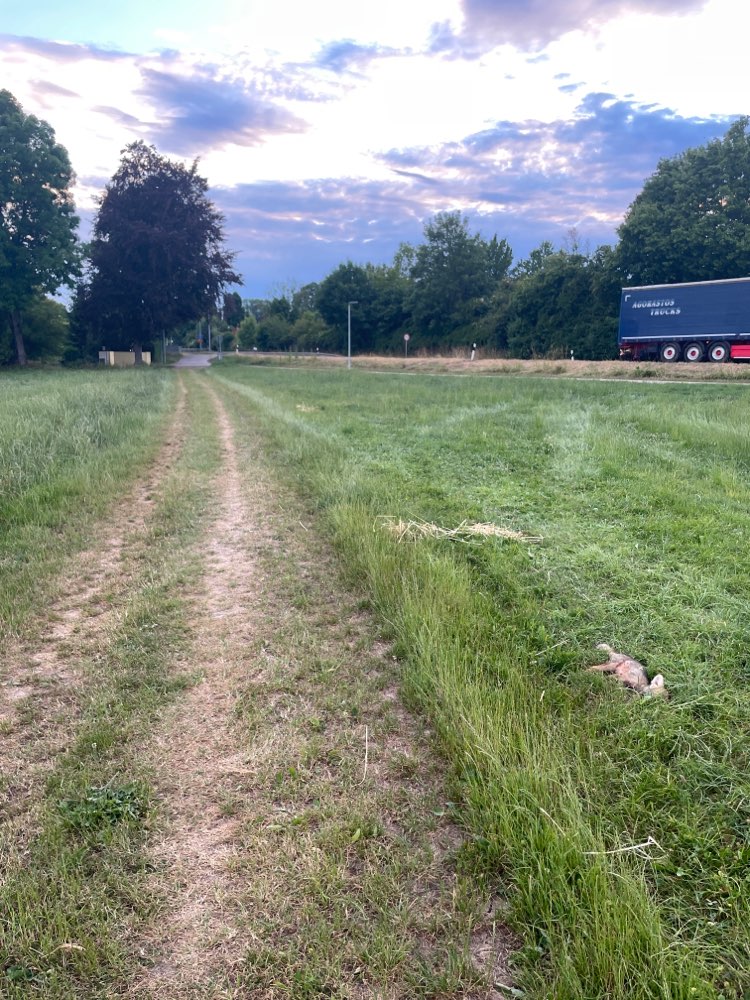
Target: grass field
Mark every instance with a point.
(615, 830)
(640, 494)
(68, 444)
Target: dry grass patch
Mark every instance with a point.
(464, 531)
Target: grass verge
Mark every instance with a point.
(69, 442)
(640, 494)
(73, 895)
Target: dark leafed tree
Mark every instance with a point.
(691, 222)
(558, 302)
(38, 249)
(233, 311)
(347, 283)
(304, 300)
(157, 257)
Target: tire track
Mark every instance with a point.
(195, 749)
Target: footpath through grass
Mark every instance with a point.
(641, 495)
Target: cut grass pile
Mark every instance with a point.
(68, 443)
(641, 496)
(465, 530)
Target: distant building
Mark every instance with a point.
(122, 359)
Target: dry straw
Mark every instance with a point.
(465, 531)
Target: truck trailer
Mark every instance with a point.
(695, 321)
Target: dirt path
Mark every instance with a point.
(308, 848)
(195, 751)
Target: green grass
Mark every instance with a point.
(69, 441)
(641, 493)
(74, 894)
(343, 887)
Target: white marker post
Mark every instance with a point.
(406, 345)
(349, 333)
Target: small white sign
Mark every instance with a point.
(407, 337)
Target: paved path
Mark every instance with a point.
(194, 361)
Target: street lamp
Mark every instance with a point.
(349, 334)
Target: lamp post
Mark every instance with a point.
(349, 333)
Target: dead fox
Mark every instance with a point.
(629, 672)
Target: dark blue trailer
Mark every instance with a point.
(696, 321)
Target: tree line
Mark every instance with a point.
(157, 267)
(450, 292)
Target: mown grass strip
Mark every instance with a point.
(69, 442)
(72, 899)
(640, 494)
(347, 874)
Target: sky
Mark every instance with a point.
(333, 131)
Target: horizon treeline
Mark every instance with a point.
(451, 291)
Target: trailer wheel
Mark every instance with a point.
(694, 352)
(669, 352)
(719, 351)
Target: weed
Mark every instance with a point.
(101, 807)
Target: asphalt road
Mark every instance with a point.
(194, 361)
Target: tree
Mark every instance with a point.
(379, 316)
(275, 332)
(157, 256)
(247, 333)
(45, 327)
(535, 261)
(347, 283)
(233, 310)
(557, 302)
(38, 249)
(452, 274)
(304, 300)
(310, 331)
(691, 222)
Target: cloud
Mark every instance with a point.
(120, 117)
(199, 112)
(562, 171)
(60, 52)
(44, 89)
(300, 231)
(348, 56)
(533, 24)
(525, 181)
